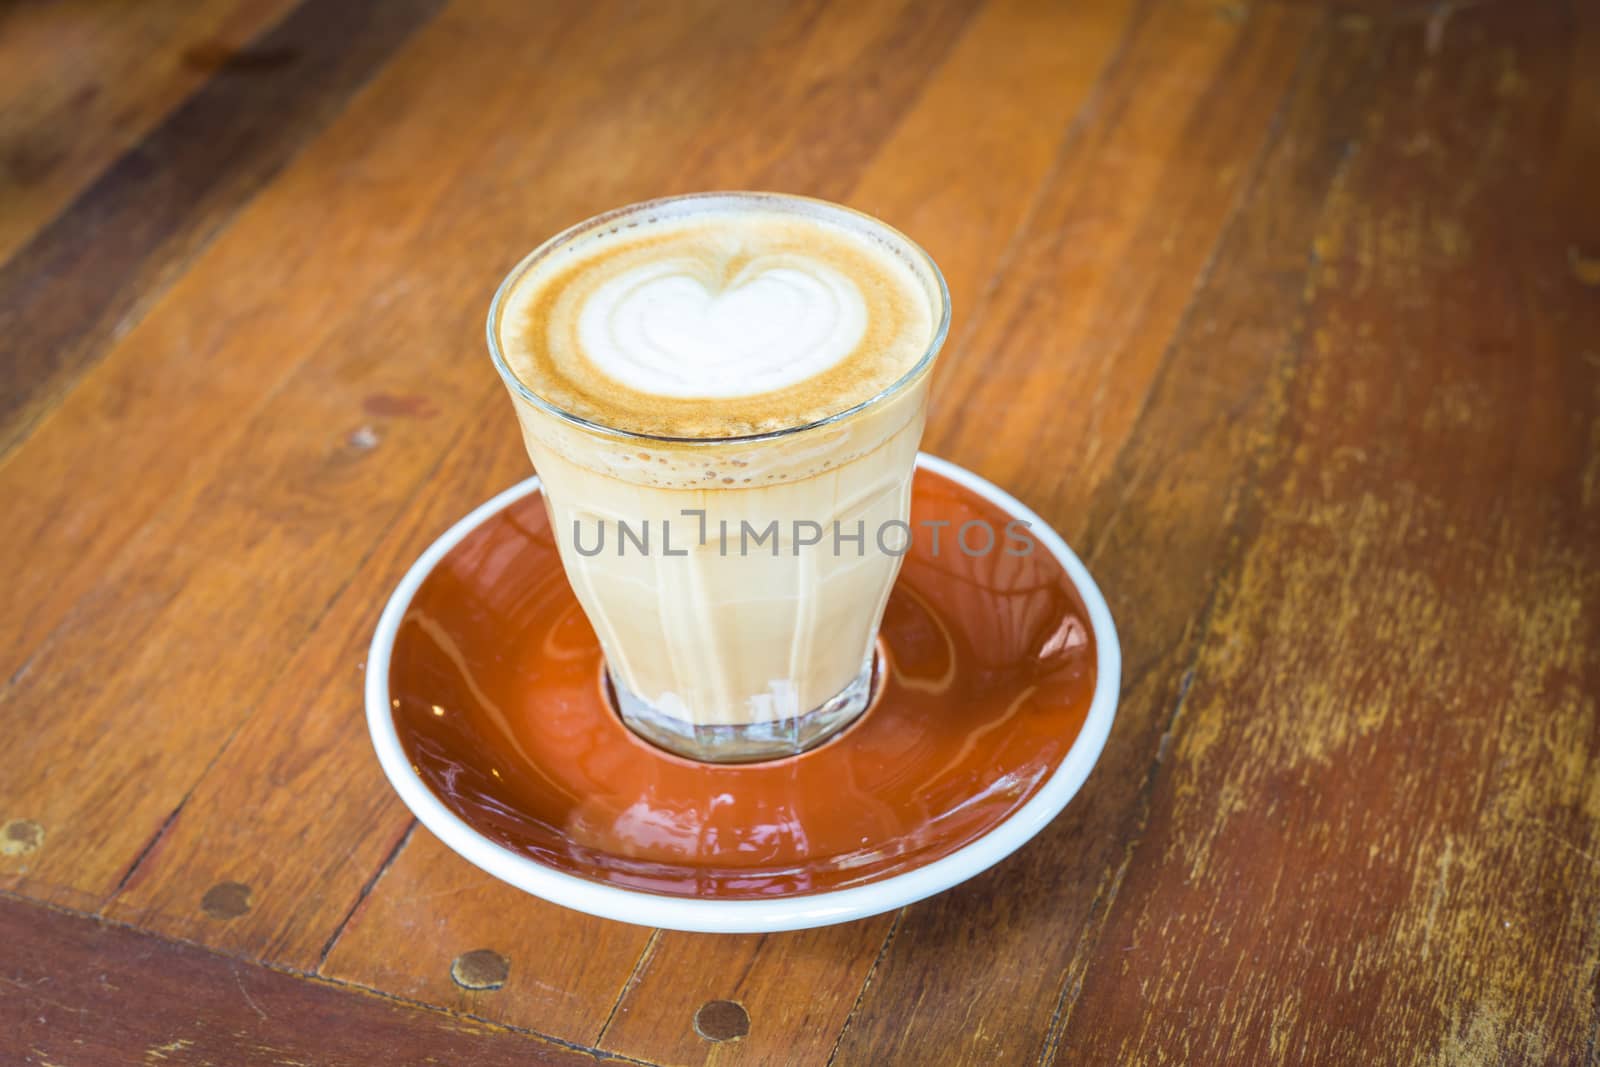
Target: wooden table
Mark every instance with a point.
(1286, 314)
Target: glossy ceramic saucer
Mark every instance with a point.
(997, 683)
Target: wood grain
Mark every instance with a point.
(1193, 460)
(76, 991)
(86, 80)
(322, 820)
(931, 178)
(1286, 313)
(261, 512)
(461, 413)
(301, 893)
(870, 61)
(1086, 305)
(1017, 929)
(565, 967)
(1023, 74)
(795, 990)
(91, 273)
(1374, 839)
(77, 512)
(393, 913)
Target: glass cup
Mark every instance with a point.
(735, 584)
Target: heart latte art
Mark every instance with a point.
(665, 328)
(718, 319)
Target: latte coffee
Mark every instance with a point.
(723, 396)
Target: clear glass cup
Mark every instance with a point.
(735, 584)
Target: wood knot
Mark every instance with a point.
(226, 900)
(20, 837)
(722, 1020)
(480, 969)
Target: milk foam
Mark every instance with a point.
(720, 316)
(663, 327)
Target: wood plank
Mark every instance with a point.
(76, 991)
(1186, 458)
(276, 270)
(789, 992)
(881, 55)
(1194, 458)
(1374, 839)
(84, 80)
(203, 556)
(432, 907)
(1090, 298)
(301, 894)
(268, 537)
(323, 819)
(402, 909)
(1168, 495)
(1008, 92)
(963, 170)
(93, 271)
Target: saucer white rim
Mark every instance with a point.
(748, 916)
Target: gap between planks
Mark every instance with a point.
(1106, 899)
(322, 980)
(310, 632)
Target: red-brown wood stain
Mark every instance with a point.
(495, 680)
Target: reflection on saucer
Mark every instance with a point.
(989, 673)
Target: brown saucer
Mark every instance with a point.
(988, 670)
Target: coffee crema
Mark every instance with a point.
(719, 316)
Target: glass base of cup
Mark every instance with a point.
(747, 742)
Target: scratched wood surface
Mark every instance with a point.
(1286, 314)
(86, 80)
